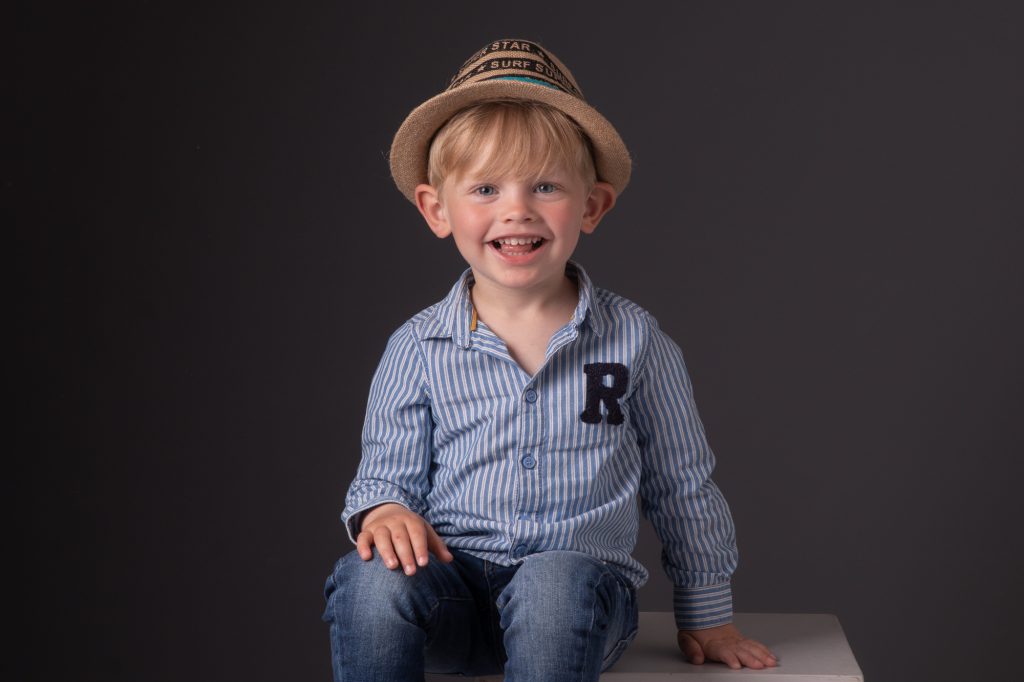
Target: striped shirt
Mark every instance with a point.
(502, 464)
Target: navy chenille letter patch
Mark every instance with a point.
(598, 391)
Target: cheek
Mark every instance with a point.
(465, 243)
(566, 215)
(468, 218)
(469, 229)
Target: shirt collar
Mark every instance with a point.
(453, 315)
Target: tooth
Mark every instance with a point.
(519, 241)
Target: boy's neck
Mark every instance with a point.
(536, 303)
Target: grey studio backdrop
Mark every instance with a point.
(825, 214)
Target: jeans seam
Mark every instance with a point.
(593, 620)
(617, 581)
(495, 634)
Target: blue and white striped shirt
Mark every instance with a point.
(502, 464)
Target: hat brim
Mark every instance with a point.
(412, 141)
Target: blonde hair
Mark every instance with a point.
(509, 138)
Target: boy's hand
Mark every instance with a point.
(725, 643)
(401, 536)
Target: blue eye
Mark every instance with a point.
(546, 188)
(485, 191)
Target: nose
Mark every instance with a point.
(518, 208)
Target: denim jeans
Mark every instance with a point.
(557, 616)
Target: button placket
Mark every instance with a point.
(529, 429)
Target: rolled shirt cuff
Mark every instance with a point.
(697, 608)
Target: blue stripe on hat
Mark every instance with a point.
(526, 79)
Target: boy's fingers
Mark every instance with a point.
(734, 652)
(750, 658)
(420, 539)
(436, 544)
(731, 660)
(402, 540)
(382, 538)
(758, 652)
(403, 548)
(726, 655)
(364, 545)
(767, 657)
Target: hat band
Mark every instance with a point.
(533, 69)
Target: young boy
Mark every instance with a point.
(515, 429)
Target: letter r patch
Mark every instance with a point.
(598, 392)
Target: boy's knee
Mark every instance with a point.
(555, 585)
(561, 569)
(564, 611)
(355, 573)
(363, 586)
(370, 589)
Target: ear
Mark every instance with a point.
(600, 200)
(428, 201)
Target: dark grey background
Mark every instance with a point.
(209, 255)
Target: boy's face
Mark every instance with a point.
(483, 213)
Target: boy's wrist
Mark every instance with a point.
(371, 513)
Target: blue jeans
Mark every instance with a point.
(558, 615)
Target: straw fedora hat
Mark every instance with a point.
(506, 69)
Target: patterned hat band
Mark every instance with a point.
(515, 60)
(506, 69)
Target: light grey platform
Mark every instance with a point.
(811, 648)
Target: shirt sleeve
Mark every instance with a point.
(686, 508)
(397, 435)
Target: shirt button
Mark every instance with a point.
(530, 396)
(529, 462)
(519, 552)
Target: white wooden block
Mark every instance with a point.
(811, 648)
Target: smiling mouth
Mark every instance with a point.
(517, 246)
